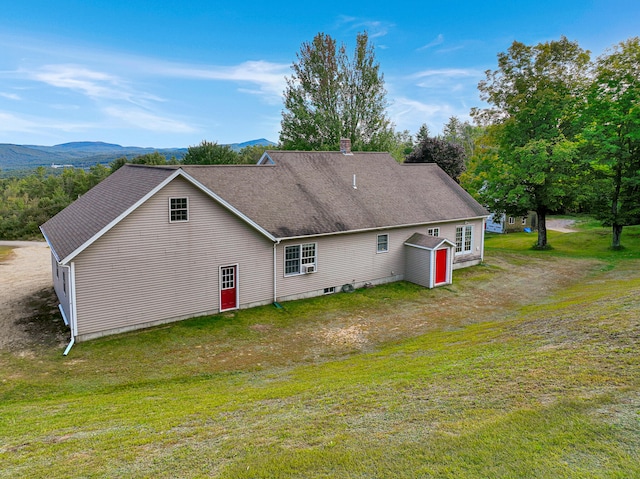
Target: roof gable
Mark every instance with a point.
(99, 209)
(429, 242)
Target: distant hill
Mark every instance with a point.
(84, 154)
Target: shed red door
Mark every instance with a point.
(441, 266)
(228, 287)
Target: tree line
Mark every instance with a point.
(561, 133)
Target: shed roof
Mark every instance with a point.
(294, 194)
(427, 241)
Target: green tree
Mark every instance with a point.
(423, 133)
(249, 155)
(331, 96)
(613, 135)
(401, 145)
(462, 133)
(448, 156)
(208, 153)
(535, 96)
(155, 158)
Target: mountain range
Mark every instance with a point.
(83, 154)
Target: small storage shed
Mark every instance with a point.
(428, 260)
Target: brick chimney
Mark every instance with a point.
(345, 146)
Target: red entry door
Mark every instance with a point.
(228, 287)
(441, 266)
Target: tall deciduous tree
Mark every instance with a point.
(448, 156)
(331, 96)
(462, 133)
(535, 96)
(613, 134)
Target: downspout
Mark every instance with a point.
(484, 225)
(70, 345)
(72, 306)
(275, 271)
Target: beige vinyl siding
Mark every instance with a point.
(58, 286)
(347, 258)
(353, 258)
(418, 266)
(147, 270)
(448, 230)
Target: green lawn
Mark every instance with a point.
(526, 367)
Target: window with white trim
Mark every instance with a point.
(296, 256)
(464, 236)
(512, 220)
(524, 221)
(178, 210)
(433, 231)
(383, 243)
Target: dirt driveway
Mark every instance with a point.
(28, 306)
(561, 225)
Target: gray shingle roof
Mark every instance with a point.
(426, 241)
(311, 193)
(97, 208)
(302, 193)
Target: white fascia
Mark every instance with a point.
(119, 218)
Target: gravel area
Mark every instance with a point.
(563, 226)
(28, 306)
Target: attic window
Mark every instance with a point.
(178, 209)
(433, 231)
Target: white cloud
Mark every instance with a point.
(437, 41)
(409, 114)
(10, 122)
(92, 83)
(269, 77)
(447, 73)
(148, 121)
(374, 28)
(75, 77)
(10, 96)
(452, 80)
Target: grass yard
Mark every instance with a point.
(526, 367)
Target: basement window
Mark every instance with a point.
(178, 210)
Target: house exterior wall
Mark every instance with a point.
(147, 271)
(418, 266)
(61, 285)
(501, 223)
(353, 259)
(344, 259)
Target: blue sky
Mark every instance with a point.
(172, 73)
